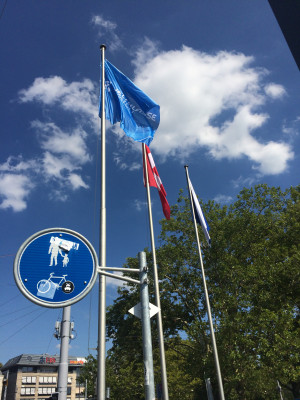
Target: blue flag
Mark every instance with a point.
(199, 215)
(126, 103)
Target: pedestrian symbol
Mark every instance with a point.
(60, 247)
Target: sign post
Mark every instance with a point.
(56, 268)
(146, 330)
(62, 383)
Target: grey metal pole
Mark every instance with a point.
(62, 382)
(146, 330)
(280, 390)
(102, 251)
(164, 379)
(212, 333)
(209, 389)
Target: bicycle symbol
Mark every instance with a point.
(44, 285)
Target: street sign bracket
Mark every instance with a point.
(102, 271)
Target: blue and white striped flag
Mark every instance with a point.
(199, 215)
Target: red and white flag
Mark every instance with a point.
(154, 180)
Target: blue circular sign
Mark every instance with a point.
(55, 267)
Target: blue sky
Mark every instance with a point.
(228, 88)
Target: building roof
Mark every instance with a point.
(40, 360)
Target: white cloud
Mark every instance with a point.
(14, 190)
(213, 102)
(17, 164)
(140, 205)
(55, 140)
(241, 181)
(77, 182)
(45, 90)
(77, 97)
(64, 155)
(115, 282)
(291, 128)
(236, 140)
(61, 170)
(16, 182)
(54, 166)
(123, 163)
(106, 30)
(64, 152)
(275, 91)
(98, 20)
(18, 178)
(273, 157)
(222, 198)
(147, 51)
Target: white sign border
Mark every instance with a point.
(43, 303)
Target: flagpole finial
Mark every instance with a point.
(102, 46)
(186, 166)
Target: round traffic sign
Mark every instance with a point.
(55, 267)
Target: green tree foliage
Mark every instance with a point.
(252, 271)
(125, 374)
(89, 374)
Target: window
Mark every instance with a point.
(46, 390)
(28, 379)
(27, 391)
(48, 369)
(27, 369)
(69, 379)
(47, 379)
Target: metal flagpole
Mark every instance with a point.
(212, 333)
(156, 288)
(102, 251)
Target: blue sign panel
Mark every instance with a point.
(55, 267)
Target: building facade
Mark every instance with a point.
(34, 377)
(1, 383)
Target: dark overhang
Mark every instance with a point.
(287, 13)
